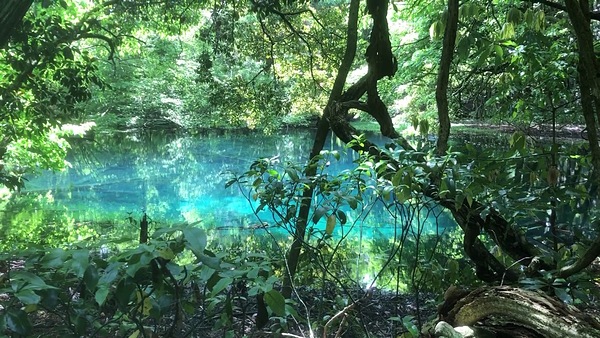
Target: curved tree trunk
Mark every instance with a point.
(515, 312)
(488, 267)
(441, 90)
(319, 142)
(11, 14)
(382, 63)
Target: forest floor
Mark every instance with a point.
(377, 313)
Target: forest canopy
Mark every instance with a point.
(417, 70)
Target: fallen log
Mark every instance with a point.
(512, 312)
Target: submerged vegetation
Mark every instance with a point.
(314, 249)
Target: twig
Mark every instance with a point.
(344, 311)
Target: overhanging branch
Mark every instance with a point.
(594, 15)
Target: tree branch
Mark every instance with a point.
(594, 15)
(106, 39)
(583, 262)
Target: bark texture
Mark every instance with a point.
(441, 90)
(319, 142)
(515, 312)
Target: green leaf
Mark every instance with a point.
(463, 48)
(27, 296)
(17, 322)
(101, 294)
(54, 258)
(50, 297)
(529, 17)
(450, 184)
(397, 178)
(469, 200)
(292, 174)
(221, 285)
(436, 31)
(276, 302)
(459, 200)
(125, 290)
(195, 239)
(320, 212)
(582, 296)
(412, 328)
(91, 277)
(210, 261)
(514, 16)
(540, 20)
(517, 141)
(563, 295)
(253, 273)
(484, 213)
(386, 193)
(499, 52)
(34, 281)
(230, 182)
(110, 273)
(404, 194)
(80, 261)
(352, 202)
(342, 216)
(483, 56)
(331, 221)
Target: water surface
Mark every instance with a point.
(176, 178)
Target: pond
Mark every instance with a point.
(179, 178)
(176, 179)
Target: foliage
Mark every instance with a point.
(98, 293)
(513, 64)
(260, 65)
(44, 75)
(409, 250)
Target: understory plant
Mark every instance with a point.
(171, 286)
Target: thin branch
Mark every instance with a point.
(106, 39)
(583, 262)
(343, 312)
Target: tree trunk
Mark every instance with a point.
(513, 312)
(588, 70)
(441, 90)
(11, 14)
(468, 216)
(488, 267)
(319, 142)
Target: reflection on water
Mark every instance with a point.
(167, 176)
(180, 178)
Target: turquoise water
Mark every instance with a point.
(182, 179)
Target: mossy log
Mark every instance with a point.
(513, 312)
